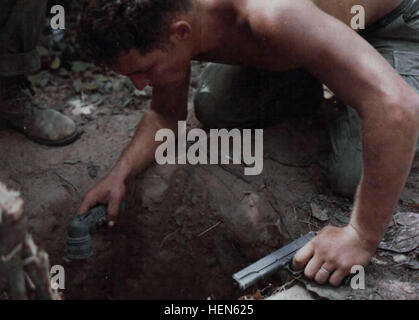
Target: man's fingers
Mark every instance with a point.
(113, 210)
(312, 267)
(324, 273)
(302, 256)
(337, 277)
(87, 203)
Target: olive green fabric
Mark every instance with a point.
(21, 22)
(233, 96)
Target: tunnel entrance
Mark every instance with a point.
(179, 238)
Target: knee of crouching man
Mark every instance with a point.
(205, 108)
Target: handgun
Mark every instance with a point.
(265, 267)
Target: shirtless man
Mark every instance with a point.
(153, 42)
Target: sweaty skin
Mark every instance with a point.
(280, 35)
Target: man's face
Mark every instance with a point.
(156, 68)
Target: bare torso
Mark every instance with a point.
(341, 9)
(238, 45)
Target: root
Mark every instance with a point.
(25, 266)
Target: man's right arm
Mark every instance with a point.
(168, 106)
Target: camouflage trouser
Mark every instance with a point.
(233, 96)
(21, 22)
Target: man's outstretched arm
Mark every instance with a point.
(168, 106)
(388, 107)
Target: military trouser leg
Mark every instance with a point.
(21, 22)
(232, 96)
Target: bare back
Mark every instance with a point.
(341, 9)
(238, 45)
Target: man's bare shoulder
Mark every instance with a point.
(267, 16)
(253, 9)
(269, 12)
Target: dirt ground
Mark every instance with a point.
(186, 229)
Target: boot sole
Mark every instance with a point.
(60, 143)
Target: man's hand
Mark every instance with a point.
(331, 255)
(111, 190)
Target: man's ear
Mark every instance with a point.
(181, 30)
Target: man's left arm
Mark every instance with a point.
(388, 107)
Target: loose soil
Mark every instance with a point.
(186, 229)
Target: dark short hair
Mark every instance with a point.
(111, 27)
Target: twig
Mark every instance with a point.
(283, 287)
(209, 229)
(30, 282)
(310, 223)
(24, 264)
(12, 253)
(167, 237)
(396, 264)
(66, 181)
(37, 267)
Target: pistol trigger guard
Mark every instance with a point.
(288, 266)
